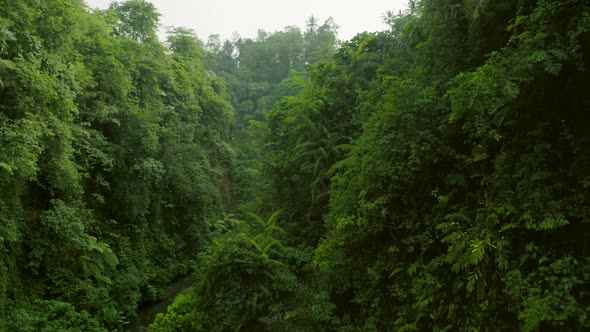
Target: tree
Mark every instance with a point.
(137, 19)
(320, 40)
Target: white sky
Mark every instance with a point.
(245, 17)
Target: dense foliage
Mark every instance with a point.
(431, 177)
(258, 73)
(434, 176)
(112, 157)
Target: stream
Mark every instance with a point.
(146, 315)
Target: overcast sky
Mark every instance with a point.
(245, 17)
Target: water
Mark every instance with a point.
(146, 315)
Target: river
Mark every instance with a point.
(146, 315)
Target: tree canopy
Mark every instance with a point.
(432, 176)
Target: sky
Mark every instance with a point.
(224, 17)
